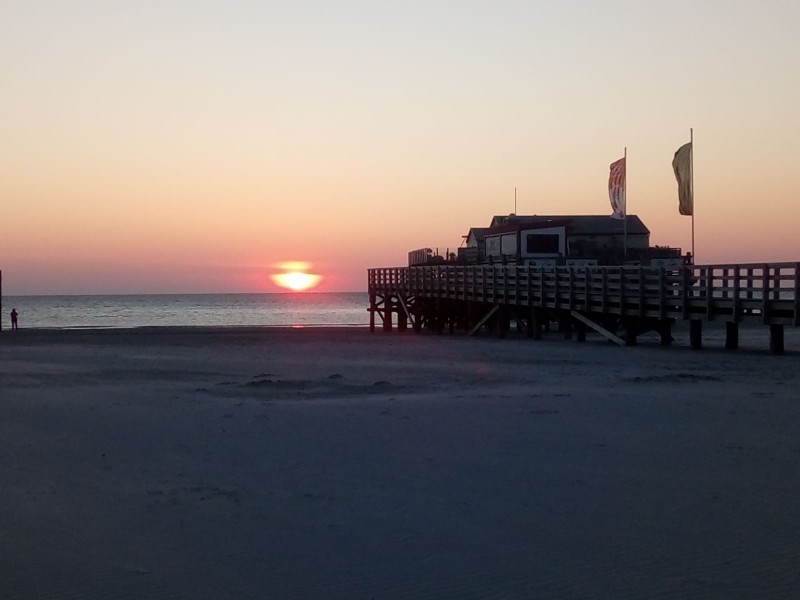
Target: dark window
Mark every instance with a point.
(542, 243)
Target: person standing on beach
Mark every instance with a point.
(14, 319)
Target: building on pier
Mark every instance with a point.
(572, 240)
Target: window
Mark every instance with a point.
(544, 243)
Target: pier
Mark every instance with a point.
(619, 302)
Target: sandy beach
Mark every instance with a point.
(334, 463)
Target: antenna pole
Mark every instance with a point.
(625, 209)
(515, 199)
(691, 185)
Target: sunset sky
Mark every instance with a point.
(176, 146)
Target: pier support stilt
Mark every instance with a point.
(529, 324)
(402, 320)
(565, 327)
(695, 334)
(387, 314)
(416, 324)
(502, 322)
(631, 331)
(731, 336)
(535, 320)
(665, 332)
(372, 308)
(580, 331)
(776, 339)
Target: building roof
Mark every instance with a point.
(478, 233)
(575, 224)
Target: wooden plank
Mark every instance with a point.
(405, 308)
(796, 318)
(685, 291)
(765, 294)
(641, 292)
(604, 283)
(586, 287)
(601, 330)
(485, 318)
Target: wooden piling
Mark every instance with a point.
(695, 334)
(631, 331)
(731, 335)
(665, 332)
(580, 331)
(776, 339)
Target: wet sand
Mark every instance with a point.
(335, 463)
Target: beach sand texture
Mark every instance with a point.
(335, 463)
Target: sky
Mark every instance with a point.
(196, 146)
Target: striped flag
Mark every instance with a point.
(616, 189)
(682, 165)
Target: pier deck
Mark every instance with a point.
(633, 298)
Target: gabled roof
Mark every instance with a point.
(478, 232)
(575, 224)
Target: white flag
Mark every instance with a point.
(616, 189)
(682, 165)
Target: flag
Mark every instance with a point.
(682, 165)
(616, 189)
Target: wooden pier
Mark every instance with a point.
(619, 302)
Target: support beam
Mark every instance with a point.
(601, 330)
(503, 322)
(485, 318)
(776, 339)
(535, 322)
(402, 321)
(387, 313)
(665, 331)
(438, 323)
(631, 331)
(565, 327)
(731, 336)
(580, 331)
(696, 334)
(405, 309)
(372, 308)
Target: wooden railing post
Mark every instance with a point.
(685, 290)
(765, 294)
(796, 295)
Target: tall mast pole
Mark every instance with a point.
(691, 185)
(625, 212)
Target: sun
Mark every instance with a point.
(295, 277)
(296, 281)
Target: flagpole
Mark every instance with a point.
(691, 180)
(625, 215)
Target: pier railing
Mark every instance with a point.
(766, 293)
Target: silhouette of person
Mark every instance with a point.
(14, 319)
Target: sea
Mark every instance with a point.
(308, 309)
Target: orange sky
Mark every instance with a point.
(151, 149)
